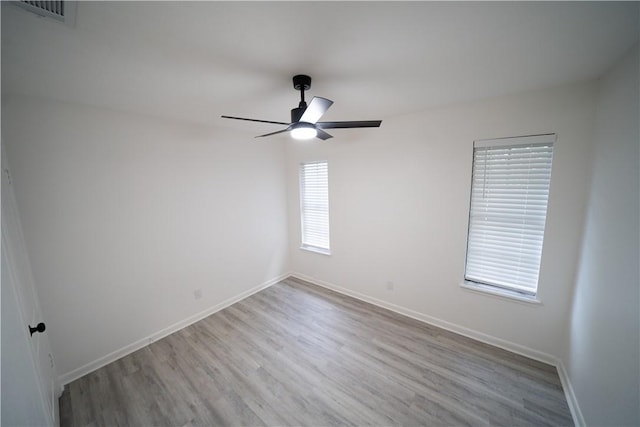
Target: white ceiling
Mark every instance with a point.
(195, 61)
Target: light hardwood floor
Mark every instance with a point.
(298, 354)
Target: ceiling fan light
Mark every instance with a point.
(304, 131)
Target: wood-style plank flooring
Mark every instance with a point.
(297, 354)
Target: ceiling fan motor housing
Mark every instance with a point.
(296, 113)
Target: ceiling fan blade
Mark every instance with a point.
(323, 135)
(254, 120)
(352, 124)
(274, 133)
(317, 107)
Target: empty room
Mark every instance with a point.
(320, 213)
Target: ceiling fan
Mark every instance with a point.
(304, 119)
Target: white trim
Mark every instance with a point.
(434, 321)
(315, 249)
(548, 138)
(502, 293)
(572, 400)
(143, 342)
(540, 356)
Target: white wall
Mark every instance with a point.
(125, 216)
(602, 353)
(399, 203)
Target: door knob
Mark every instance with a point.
(40, 328)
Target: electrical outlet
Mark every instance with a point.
(390, 286)
(197, 294)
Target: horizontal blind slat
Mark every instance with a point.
(314, 204)
(509, 195)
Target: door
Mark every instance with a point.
(22, 403)
(21, 309)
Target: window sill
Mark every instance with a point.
(317, 250)
(502, 293)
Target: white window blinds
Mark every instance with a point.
(509, 192)
(314, 206)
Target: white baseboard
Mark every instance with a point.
(572, 401)
(130, 348)
(470, 333)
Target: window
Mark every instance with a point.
(314, 206)
(509, 192)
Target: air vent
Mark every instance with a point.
(63, 11)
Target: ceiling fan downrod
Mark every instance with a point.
(301, 82)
